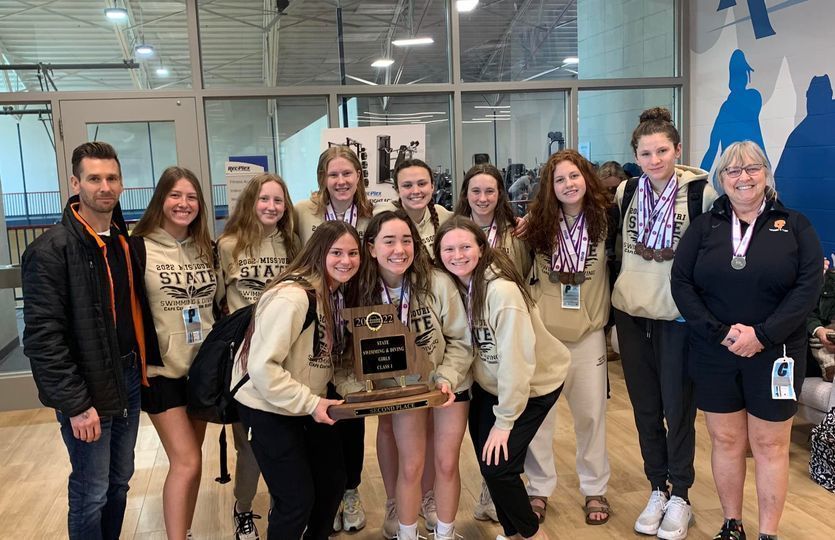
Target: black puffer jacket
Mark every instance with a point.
(70, 338)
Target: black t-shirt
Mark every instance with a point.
(121, 291)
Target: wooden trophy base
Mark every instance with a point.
(387, 401)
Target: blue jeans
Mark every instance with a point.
(101, 470)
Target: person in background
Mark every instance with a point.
(257, 243)
(341, 197)
(651, 332)
(180, 277)
(397, 270)
(567, 229)
(290, 364)
(518, 371)
(745, 277)
(611, 175)
(821, 324)
(85, 340)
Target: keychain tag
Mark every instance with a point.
(570, 296)
(782, 378)
(191, 320)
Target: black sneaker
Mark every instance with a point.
(245, 528)
(731, 530)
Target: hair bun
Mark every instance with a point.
(657, 114)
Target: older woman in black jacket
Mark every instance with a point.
(745, 277)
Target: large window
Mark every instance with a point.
(318, 42)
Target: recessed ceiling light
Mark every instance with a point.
(143, 49)
(162, 71)
(412, 41)
(382, 63)
(465, 5)
(116, 13)
(571, 60)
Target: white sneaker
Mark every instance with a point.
(650, 519)
(245, 528)
(451, 536)
(337, 519)
(353, 515)
(429, 510)
(678, 516)
(484, 509)
(390, 523)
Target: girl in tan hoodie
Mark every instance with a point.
(518, 371)
(256, 246)
(181, 284)
(283, 404)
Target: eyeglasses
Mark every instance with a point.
(751, 170)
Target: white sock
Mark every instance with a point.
(408, 532)
(444, 529)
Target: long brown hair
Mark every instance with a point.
(543, 218)
(503, 214)
(322, 197)
(367, 290)
(414, 162)
(245, 227)
(154, 217)
(491, 258)
(309, 272)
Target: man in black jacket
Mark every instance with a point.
(82, 294)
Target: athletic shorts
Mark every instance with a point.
(726, 384)
(163, 394)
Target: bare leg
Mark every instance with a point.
(450, 424)
(410, 434)
(770, 445)
(729, 444)
(387, 453)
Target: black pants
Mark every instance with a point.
(352, 433)
(299, 461)
(504, 479)
(654, 357)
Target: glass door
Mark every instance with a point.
(148, 134)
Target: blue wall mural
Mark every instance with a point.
(759, 16)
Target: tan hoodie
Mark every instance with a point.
(643, 287)
(307, 220)
(571, 325)
(286, 377)
(518, 251)
(175, 277)
(425, 227)
(246, 276)
(517, 357)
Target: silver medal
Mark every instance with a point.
(737, 262)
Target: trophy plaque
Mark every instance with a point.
(387, 361)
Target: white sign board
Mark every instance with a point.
(238, 175)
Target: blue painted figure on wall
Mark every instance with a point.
(739, 116)
(759, 16)
(806, 174)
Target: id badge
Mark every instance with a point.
(191, 320)
(570, 296)
(782, 379)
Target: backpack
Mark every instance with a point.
(822, 452)
(210, 397)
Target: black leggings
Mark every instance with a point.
(504, 479)
(296, 456)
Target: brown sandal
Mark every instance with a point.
(603, 508)
(538, 509)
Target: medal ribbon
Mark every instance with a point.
(491, 233)
(350, 216)
(573, 246)
(405, 293)
(655, 217)
(337, 305)
(738, 241)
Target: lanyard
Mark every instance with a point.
(655, 217)
(337, 305)
(573, 245)
(350, 216)
(739, 241)
(491, 233)
(405, 293)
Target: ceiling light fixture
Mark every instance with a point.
(162, 71)
(382, 63)
(413, 41)
(571, 60)
(491, 106)
(143, 49)
(464, 6)
(116, 13)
